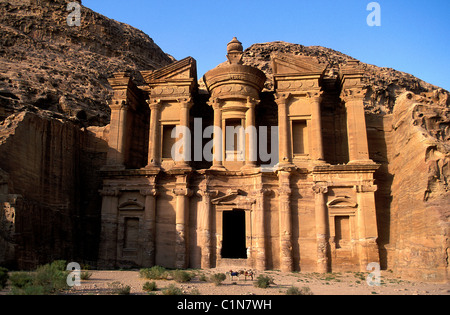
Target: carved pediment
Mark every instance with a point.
(184, 69)
(284, 64)
(234, 199)
(342, 202)
(131, 205)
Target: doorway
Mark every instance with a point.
(234, 238)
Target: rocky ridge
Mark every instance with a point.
(383, 85)
(57, 70)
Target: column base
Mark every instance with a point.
(218, 168)
(361, 162)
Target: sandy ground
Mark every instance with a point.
(331, 284)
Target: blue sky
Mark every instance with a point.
(414, 35)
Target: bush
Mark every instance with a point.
(20, 280)
(149, 286)
(47, 279)
(118, 288)
(85, 275)
(4, 276)
(218, 278)
(172, 290)
(154, 273)
(296, 291)
(181, 276)
(263, 281)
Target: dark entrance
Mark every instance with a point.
(233, 244)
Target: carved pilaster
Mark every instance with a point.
(315, 98)
(205, 226)
(181, 220)
(259, 230)
(284, 130)
(284, 196)
(322, 233)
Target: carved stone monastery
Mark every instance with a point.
(313, 211)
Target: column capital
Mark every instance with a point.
(314, 95)
(182, 192)
(119, 105)
(282, 98)
(185, 102)
(320, 189)
(149, 192)
(114, 192)
(154, 103)
(365, 188)
(205, 193)
(351, 94)
(215, 103)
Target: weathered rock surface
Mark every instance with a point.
(383, 85)
(51, 165)
(419, 156)
(50, 66)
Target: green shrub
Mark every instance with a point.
(47, 279)
(218, 278)
(296, 291)
(4, 276)
(20, 280)
(181, 276)
(85, 275)
(263, 281)
(172, 290)
(149, 286)
(154, 273)
(118, 288)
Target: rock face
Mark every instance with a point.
(48, 65)
(419, 156)
(53, 84)
(52, 168)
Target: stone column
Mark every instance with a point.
(284, 130)
(204, 225)
(285, 222)
(181, 221)
(118, 134)
(109, 227)
(358, 149)
(259, 230)
(251, 149)
(218, 132)
(367, 225)
(185, 105)
(149, 226)
(322, 233)
(316, 126)
(154, 150)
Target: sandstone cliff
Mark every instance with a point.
(53, 84)
(50, 66)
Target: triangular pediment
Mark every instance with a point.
(184, 69)
(285, 64)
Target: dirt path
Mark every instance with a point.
(330, 284)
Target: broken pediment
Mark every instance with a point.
(184, 69)
(284, 64)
